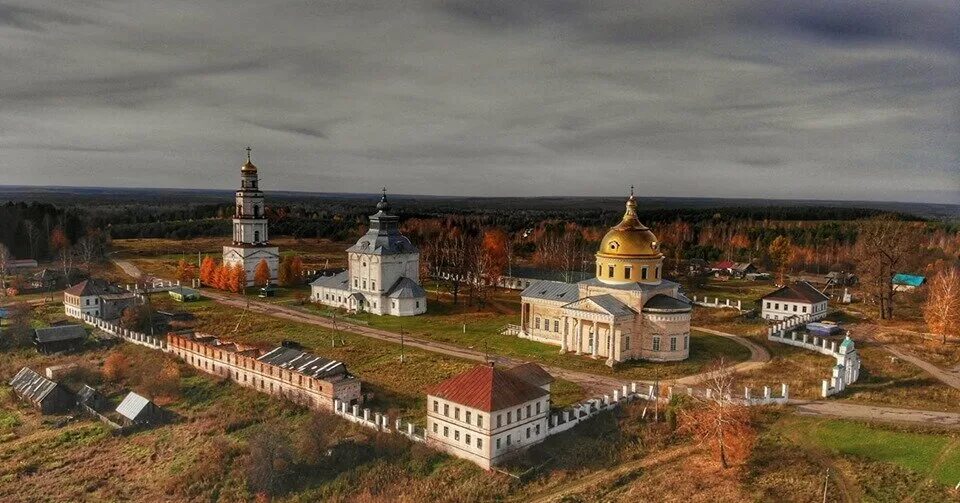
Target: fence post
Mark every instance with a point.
(825, 388)
(746, 393)
(785, 391)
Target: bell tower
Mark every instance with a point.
(251, 240)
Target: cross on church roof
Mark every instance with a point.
(631, 190)
(248, 153)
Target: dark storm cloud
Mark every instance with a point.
(831, 99)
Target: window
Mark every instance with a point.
(456, 413)
(686, 342)
(466, 416)
(794, 308)
(626, 342)
(528, 410)
(776, 306)
(364, 284)
(479, 420)
(804, 308)
(498, 443)
(536, 322)
(456, 434)
(356, 283)
(528, 432)
(479, 443)
(256, 236)
(446, 431)
(599, 270)
(610, 271)
(626, 272)
(656, 344)
(434, 427)
(509, 416)
(436, 406)
(556, 326)
(499, 420)
(446, 409)
(643, 273)
(538, 407)
(508, 440)
(418, 304)
(673, 344)
(537, 430)
(768, 304)
(466, 438)
(373, 285)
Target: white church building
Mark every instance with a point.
(383, 273)
(250, 236)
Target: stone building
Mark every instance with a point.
(486, 415)
(626, 312)
(797, 299)
(97, 298)
(251, 240)
(301, 377)
(383, 274)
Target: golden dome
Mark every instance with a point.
(629, 238)
(248, 166)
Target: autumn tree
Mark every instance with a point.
(296, 270)
(780, 252)
(942, 308)
(17, 333)
(496, 254)
(5, 259)
(208, 269)
(719, 423)
(236, 278)
(283, 275)
(884, 245)
(61, 244)
(221, 276)
(116, 367)
(137, 318)
(261, 275)
(185, 271)
(269, 462)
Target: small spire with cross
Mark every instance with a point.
(631, 190)
(248, 153)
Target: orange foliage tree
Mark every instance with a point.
(494, 249)
(185, 271)
(236, 278)
(780, 251)
(942, 308)
(207, 270)
(719, 423)
(116, 366)
(283, 275)
(261, 275)
(296, 270)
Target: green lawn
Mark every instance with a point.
(446, 322)
(935, 455)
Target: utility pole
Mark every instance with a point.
(826, 481)
(401, 340)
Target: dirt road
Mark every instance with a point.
(875, 413)
(759, 356)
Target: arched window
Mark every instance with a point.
(256, 211)
(239, 210)
(256, 236)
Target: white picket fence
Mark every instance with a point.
(847, 369)
(125, 334)
(376, 421)
(718, 303)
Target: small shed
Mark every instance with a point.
(907, 282)
(46, 395)
(60, 338)
(184, 294)
(91, 397)
(138, 410)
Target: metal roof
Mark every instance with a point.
(552, 290)
(634, 286)
(32, 385)
(338, 281)
(605, 302)
(486, 388)
(60, 333)
(534, 273)
(132, 405)
(661, 302)
(406, 288)
(531, 373)
(383, 238)
(93, 286)
(908, 279)
(801, 291)
(303, 362)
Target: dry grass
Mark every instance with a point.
(898, 383)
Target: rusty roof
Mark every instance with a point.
(531, 373)
(486, 388)
(801, 291)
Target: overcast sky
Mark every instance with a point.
(812, 99)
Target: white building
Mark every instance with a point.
(250, 235)
(486, 415)
(97, 298)
(628, 311)
(383, 273)
(797, 299)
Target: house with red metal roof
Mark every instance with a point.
(486, 415)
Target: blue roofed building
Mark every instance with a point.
(907, 282)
